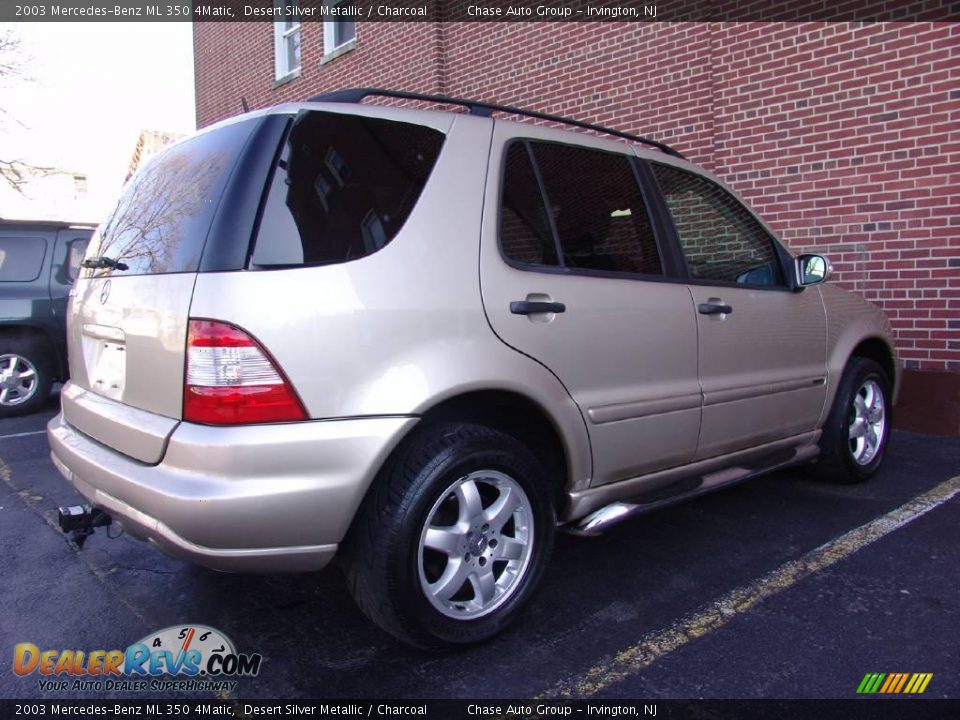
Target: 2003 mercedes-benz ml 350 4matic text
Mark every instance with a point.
(422, 341)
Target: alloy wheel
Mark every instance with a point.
(476, 545)
(18, 379)
(867, 422)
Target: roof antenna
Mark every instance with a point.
(243, 104)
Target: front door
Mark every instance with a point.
(762, 347)
(584, 290)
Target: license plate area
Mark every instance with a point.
(105, 355)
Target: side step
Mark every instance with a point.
(597, 522)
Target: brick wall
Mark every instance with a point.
(844, 137)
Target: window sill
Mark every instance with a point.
(337, 52)
(289, 77)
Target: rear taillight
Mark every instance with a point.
(231, 380)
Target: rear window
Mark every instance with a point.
(161, 222)
(21, 258)
(343, 188)
(76, 250)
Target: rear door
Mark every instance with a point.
(762, 350)
(585, 290)
(127, 324)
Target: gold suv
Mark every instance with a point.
(423, 341)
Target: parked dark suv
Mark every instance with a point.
(38, 263)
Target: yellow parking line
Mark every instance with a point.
(714, 616)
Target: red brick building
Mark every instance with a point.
(845, 137)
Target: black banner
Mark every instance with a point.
(479, 10)
(873, 709)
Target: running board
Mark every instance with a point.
(597, 522)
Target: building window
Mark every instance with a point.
(79, 186)
(339, 33)
(286, 42)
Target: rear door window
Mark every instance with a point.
(21, 258)
(161, 222)
(525, 234)
(343, 188)
(596, 211)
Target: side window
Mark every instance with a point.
(525, 234)
(76, 250)
(599, 213)
(343, 188)
(286, 40)
(342, 30)
(21, 258)
(721, 240)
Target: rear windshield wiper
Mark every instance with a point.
(100, 262)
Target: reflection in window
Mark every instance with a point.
(161, 221)
(721, 240)
(525, 234)
(323, 188)
(374, 236)
(343, 189)
(597, 210)
(338, 166)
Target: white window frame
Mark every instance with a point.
(281, 37)
(330, 31)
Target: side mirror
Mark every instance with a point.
(813, 269)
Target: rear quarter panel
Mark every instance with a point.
(401, 330)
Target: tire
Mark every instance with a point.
(856, 431)
(26, 376)
(478, 585)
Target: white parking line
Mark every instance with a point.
(25, 434)
(714, 616)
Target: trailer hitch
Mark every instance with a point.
(79, 521)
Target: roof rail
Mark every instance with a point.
(483, 109)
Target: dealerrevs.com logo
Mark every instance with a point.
(177, 658)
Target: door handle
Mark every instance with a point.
(532, 307)
(713, 308)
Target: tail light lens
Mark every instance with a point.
(231, 380)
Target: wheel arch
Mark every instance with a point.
(876, 349)
(517, 415)
(862, 342)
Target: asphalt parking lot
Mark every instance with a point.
(725, 596)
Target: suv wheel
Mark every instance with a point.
(857, 429)
(454, 538)
(25, 376)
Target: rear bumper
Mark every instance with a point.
(265, 498)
